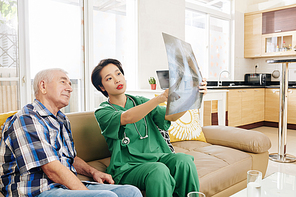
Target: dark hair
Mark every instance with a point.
(96, 78)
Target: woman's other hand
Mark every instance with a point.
(203, 86)
(174, 96)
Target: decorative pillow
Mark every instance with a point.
(3, 118)
(187, 127)
(166, 137)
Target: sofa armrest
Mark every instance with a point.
(242, 139)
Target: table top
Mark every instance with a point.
(277, 184)
(281, 61)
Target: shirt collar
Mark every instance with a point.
(43, 111)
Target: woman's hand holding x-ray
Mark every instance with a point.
(203, 86)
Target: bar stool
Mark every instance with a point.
(282, 155)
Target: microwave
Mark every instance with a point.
(262, 79)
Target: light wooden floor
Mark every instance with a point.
(272, 133)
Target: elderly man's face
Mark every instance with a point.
(58, 91)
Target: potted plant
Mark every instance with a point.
(152, 83)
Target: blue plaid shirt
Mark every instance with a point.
(31, 138)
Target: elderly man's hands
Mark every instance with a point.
(102, 177)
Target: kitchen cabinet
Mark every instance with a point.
(279, 21)
(270, 33)
(278, 44)
(259, 97)
(207, 113)
(253, 34)
(234, 105)
(291, 106)
(245, 106)
(272, 103)
(247, 109)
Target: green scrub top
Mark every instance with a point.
(138, 151)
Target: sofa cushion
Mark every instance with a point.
(90, 144)
(218, 167)
(242, 139)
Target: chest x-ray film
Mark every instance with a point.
(184, 76)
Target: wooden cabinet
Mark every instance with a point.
(272, 105)
(259, 97)
(234, 105)
(279, 21)
(291, 106)
(278, 44)
(245, 106)
(270, 33)
(253, 34)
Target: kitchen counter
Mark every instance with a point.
(247, 87)
(241, 85)
(212, 94)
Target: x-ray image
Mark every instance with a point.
(184, 76)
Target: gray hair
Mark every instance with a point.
(47, 75)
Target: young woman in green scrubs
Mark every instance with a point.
(139, 154)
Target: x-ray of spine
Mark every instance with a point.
(184, 74)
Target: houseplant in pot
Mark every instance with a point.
(152, 83)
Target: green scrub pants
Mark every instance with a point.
(172, 175)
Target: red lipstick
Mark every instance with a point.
(120, 86)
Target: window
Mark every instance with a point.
(196, 35)
(219, 47)
(114, 37)
(215, 5)
(70, 34)
(207, 29)
(56, 41)
(9, 64)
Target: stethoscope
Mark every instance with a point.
(125, 140)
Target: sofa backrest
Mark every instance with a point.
(90, 144)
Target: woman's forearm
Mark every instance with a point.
(137, 113)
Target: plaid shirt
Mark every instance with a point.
(31, 138)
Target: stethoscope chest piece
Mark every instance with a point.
(125, 140)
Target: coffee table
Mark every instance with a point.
(277, 184)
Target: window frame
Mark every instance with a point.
(219, 15)
(24, 52)
(88, 55)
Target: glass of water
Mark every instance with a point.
(254, 179)
(196, 194)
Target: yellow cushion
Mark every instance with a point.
(4, 116)
(187, 128)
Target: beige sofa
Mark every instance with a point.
(222, 163)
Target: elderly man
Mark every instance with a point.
(38, 156)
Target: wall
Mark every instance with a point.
(156, 17)
(168, 16)
(242, 65)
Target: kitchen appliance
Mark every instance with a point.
(262, 79)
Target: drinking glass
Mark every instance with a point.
(254, 180)
(196, 194)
